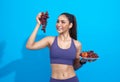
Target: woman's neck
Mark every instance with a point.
(64, 36)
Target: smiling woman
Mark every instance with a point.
(68, 19)
(64, 48)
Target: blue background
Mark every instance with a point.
(98, 30)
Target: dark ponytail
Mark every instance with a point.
(73, 30)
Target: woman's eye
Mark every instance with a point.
(63, 22)
(60, 21)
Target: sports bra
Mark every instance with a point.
(62, 56)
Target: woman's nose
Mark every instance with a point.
(59, 24)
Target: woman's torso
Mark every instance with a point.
(61, 71)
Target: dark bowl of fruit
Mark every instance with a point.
(89, 56)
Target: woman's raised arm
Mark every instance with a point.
(31, 44)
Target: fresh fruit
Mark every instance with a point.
(89, 54)
(43, 20)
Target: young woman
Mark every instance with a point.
(64, 48)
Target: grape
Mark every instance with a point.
(43, 20)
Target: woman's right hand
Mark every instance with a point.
(38, 17)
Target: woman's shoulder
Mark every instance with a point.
(50, 37)
(77, 43)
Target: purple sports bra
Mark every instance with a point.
(62, 56)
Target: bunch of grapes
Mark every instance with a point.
(89, 54)
(43, 20)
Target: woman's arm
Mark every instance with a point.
(31, 44)
(77, 62)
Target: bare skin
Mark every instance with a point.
(59, 71)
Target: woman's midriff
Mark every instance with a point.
(62, 71)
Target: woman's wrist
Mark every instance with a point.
(82, 62)
(38, 24)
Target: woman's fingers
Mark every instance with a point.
(38, 17)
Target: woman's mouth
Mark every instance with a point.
(59, 28)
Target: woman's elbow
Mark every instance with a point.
(28, 46)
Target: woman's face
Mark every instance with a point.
(63, 24)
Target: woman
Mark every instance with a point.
(64, 48)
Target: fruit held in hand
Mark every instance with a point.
(84, 54)
(43, 20)
(89, 54)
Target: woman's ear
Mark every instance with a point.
(70, 26)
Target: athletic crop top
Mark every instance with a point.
(62, 56)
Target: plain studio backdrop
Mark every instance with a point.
(98, 29)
